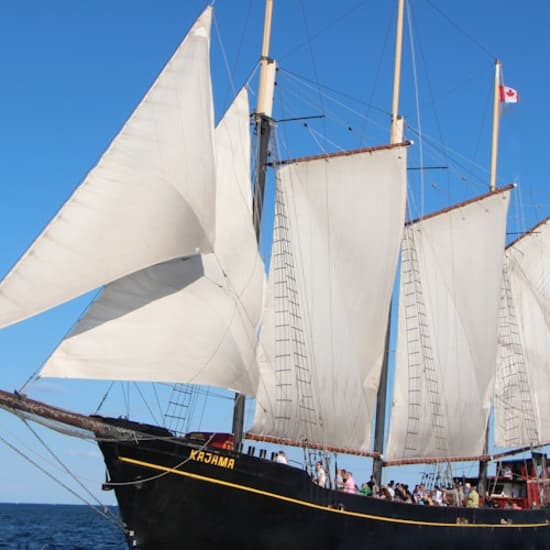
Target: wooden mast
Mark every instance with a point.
(264, 125)
(496, 120)
(396, 136)
(484, 463)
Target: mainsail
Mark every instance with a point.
(337, 234)
(190, 319)
(149, 199)
(451, 275)
(522, 411)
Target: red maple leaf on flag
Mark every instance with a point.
(508, 95)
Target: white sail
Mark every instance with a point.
(150, 198)
(337, 233)
(236, 246)
(451, 274)
(187, 320)
(522, 411)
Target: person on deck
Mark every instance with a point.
(466, 493)
(473, 499)
(321, 478)
(340, 479)
(391, 489)
(349, 483)
(374, 486)
(437, 496)
(281, 458)
(366, 489)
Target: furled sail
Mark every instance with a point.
(149, 199)
(337, 233)
(522, 411)
(186, 320)
(451, 275)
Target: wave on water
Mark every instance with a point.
(59, 527)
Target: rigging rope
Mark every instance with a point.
(418, 116)
(461, 30)
(232, 90)
(334, 21)
(146, 403)
(346, 95)
(157, 399)
(444, 151)
(314, 65)
(60, 462)
(108, 516)
(225, 60)
(102, 400)
(162, 474)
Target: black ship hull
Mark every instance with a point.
(176, 494)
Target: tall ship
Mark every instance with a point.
(167, 224)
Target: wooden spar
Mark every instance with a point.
(496, 120)
(264, 124)
(267, 67)
(380, 413)
(309, 445)
(532, 230)
(18, 402)
(396, 132)
(396, 462)
(484, 465)
(492, 187)
(442, 459)
(461, 204)
(396, 135)
(346, 153)
(263, 120)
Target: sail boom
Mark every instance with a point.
(476, 458)
(308, 445)
(533, 229)
(347, 153)
(19, 403)
(461, 204)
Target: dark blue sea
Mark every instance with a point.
(58, 527)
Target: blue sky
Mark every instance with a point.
(73, 71)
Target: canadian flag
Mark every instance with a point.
(508, 95)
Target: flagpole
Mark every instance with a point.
(396, 133)
(484, 464)
(496, 120)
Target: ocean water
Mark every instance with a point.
(58, 527)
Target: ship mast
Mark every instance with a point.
(263, 125)
(483, 463)
(396, 136)
(496, 120)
